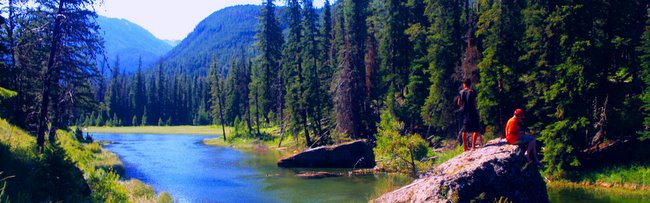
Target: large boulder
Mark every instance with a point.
(489, 174)
(355, 154)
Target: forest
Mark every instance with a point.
(363, 69)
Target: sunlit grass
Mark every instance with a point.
(625, 176)
(444, 156)
(556, 186)
(98, 166)
(247, 141)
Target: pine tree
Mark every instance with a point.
(645, 75)
(73, 44)
(294, 73)
(217, 93)
(269, 44)
(444, 53)
(311, 61)
(499, 30)
(394, 45)
(350, 102)
(418, 81)
(137, 94)
(161, 95)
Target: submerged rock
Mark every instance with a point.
(489, 174)
(318, 175)
(355, 154)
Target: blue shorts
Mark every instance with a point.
(524, 139)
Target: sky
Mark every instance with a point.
(170, 19)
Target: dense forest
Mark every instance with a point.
(355, 69)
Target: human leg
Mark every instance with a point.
(464, 135)
(531, 151)
(474, 135)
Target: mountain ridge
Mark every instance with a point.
(235, 28)
(130, 42)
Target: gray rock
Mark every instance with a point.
(489, 174)
(355, 154)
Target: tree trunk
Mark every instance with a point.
(302, 106)
(257, 111)
(47, 79)
(223, 128)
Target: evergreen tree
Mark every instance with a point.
(311, 61)
(217, 93)
(73, 45)
(269, 44)
(350, 100)
(499, 30)
(418, 81)
(295, 74)
(394, 44)
(645, 74)
(137, 95)
(444, 53)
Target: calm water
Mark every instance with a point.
(193, 172)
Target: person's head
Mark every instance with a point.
(520, 114)
(467, 83)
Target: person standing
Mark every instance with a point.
(469, 112)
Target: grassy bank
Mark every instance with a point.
(193, 130)
(268, 140)
(68, 171)
(631, 177)
(558, 188)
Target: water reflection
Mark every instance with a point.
(193, 172)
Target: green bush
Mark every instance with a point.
(106, 187)
(397, 152)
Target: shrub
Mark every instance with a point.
(399, 152)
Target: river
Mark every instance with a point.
(194, 172)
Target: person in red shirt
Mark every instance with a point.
(516, 136)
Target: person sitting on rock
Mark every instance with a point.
(467, 103)
(516, 136)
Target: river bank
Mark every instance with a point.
(194, 172)
(71, 171)
(618, 180)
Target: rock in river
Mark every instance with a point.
(488, 174)
(355, 154)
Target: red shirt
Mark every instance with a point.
(513, 132)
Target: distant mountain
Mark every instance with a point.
(171, 42)
(130, 41)
(222, 34)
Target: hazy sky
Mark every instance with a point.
(170, 19)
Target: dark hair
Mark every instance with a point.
(468, 82)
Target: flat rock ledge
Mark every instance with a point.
(355, 154)
(489, 174)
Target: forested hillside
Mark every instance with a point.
(130, 43)
(385, 70)
(220, 35)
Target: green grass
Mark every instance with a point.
(62, 172)
(446, 155)
(185, 130)
(559, 185)
(244, 140)
(633, 176)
